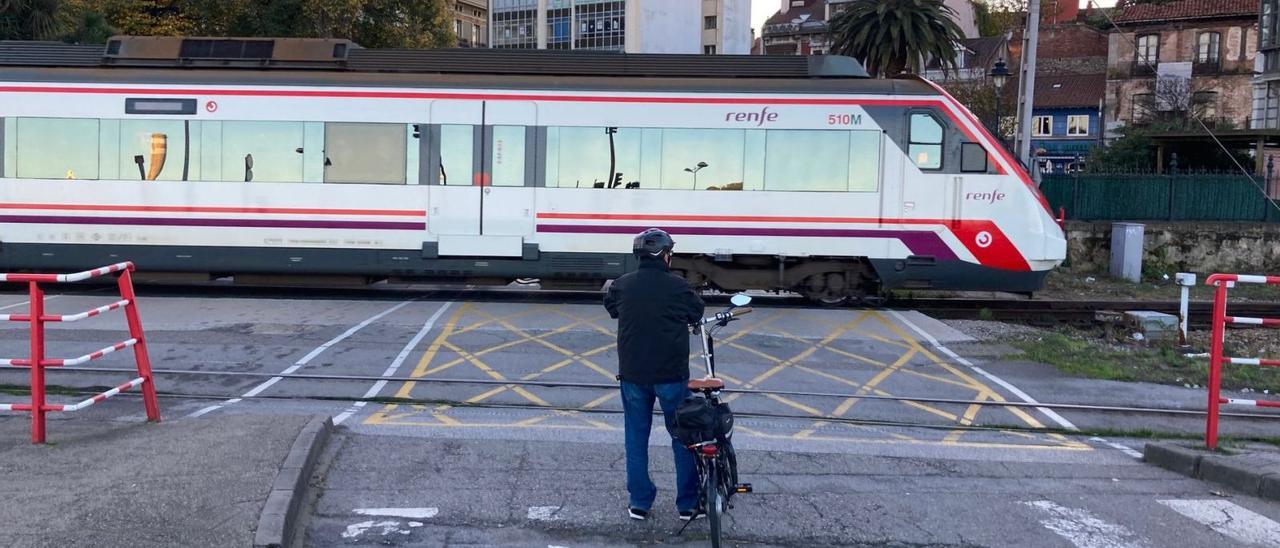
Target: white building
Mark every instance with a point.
(633, 26)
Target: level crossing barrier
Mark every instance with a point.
(37, 362)
(1221, 283)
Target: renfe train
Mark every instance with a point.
(318, 157)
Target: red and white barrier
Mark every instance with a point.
(1222, 283)
(37, 362)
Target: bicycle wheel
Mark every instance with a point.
(715, 502)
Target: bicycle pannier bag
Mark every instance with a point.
(699, 420)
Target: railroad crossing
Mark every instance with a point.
(461, 413)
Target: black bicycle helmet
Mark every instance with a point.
(652, 243)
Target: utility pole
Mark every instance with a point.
(1027, 81)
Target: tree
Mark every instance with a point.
(29, 20)
(896, 36)
(370, 23)
(979, 96)
(90, 28)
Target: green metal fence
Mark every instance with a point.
(1137, 197)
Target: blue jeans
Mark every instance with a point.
(637, 405)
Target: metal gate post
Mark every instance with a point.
(1215, 362)
(37, 362)
(140, 356)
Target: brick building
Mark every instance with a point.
(1165, 60)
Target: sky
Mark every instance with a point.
(762, 9)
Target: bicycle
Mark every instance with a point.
(717, 465)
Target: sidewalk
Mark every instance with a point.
(110, 482)
(1253, 469)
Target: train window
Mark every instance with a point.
(807, 160)
(150, 150)
(864, 161)
(413, 136)
(702, 159)
(364, 153)
(594, 157)
(507, 156)
(262, 151)
(7, 134)
(457, 153)
(925, 141)
(753, 159)
(55, 148)
(973, 158)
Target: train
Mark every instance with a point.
(317, 157)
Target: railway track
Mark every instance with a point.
(1068, 406)
(1012, 309)
(1064, 311)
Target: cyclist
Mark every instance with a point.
(654, 309)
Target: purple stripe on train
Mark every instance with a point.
(920, 242)
(239, 223)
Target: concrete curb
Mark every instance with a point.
(1251, 473)
(280, 513)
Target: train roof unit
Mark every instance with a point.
(316, 61)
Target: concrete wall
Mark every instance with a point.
(664, 26)
(1202, 248)
(676, 26)
(735, 27)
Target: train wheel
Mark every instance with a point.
(828, 289)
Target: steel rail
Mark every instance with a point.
(599, 411)
(611, 386)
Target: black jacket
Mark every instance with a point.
(654, 309)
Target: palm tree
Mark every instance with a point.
(894, 36)
(29, 19)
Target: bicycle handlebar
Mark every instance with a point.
(726, 315)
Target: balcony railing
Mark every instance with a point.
(1142, 68)
(1206, 68)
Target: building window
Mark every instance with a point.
(1142, 106)
(1205, 104)
(709, 49)
(925, 142)
(1078, 124)
(1267, 30)
(1042, 126)
(1148, 52)
(709, 22)
(1207, 47)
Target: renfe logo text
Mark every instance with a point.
(989, 197)
(758, 117)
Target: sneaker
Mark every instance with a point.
(690, 515)
(638, 514)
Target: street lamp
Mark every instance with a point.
(694, 171)
(999, 76)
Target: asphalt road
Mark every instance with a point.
(486, 464)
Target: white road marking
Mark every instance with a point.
(1051, 414)
(409, 513)
(356, 529)
(543, 513)
(395, 364)
(25, 303)
(1083, 529)
(1230, 519)
(300, 363)
(1123, 448)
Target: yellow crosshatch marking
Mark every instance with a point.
(554, 334)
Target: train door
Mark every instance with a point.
(926, 190)
(507, 198)
(479, 168)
